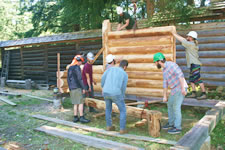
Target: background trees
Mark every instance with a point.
(31, 18)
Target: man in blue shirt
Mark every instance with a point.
(114, 84)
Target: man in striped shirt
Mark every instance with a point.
(173, 77)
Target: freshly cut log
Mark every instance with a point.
(165, 49)
(148, 58)
(142, 83)
(145, 75)
(61, 83)
(141, 123)
(132, 111)
(151, 67)
(145, 91)
(142, 32)
(154, 125)
(141, 41)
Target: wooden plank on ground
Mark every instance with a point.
(7, 101)
(45, 99)
(199, 133)
(86, 140)
(104, 132)
(9, 93)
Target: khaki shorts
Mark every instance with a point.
(76, 96)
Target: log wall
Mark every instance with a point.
(138, 47)
(40, 63)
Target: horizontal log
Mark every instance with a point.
(206, 47)
(219, 62)
(139, 112)
(206, 69)
(145, 75)
(30, 55)
(141, 41)
(141, 83)
(148, 58)
(202, 26)
(204, 54)
(207, 33)
(144, 91)
(165, 49)
(212, 77)
(207, 40)
(143, 67)
(142, 32)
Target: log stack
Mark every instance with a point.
(138, 47)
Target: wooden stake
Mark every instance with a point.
(58, 69)
(98, 54)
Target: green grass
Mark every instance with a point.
(17, 126)
(218, 135)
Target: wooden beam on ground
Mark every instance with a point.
(99, 115)
(45, 99)
(7, 101)
(149, 102)
(104, 132)
(86, 140)
(195, 138)
(9, 93)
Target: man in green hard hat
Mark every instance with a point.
(173, 77)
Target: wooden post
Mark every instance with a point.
(2, 54)
(153, 119)
(46, 63)
(21, 59)
(58, 69)
(106, 27)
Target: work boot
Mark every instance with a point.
(84, 120)
(193, 95)
(167, 126)
(92, 109)
(123, 131)
(203, 96)
(75, 119)
(112, 128)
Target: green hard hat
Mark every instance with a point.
(158, 56)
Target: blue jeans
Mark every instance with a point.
(119, 101)
(174, 109)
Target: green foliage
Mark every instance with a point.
(175, 11)
(13, 24)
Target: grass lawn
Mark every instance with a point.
(16, 126)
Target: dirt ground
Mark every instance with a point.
(17, 126)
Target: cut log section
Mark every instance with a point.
(141, 123)
(132, 111)
(86, 140)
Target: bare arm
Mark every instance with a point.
(88, 80)
(181, 79)
(124, 26)
(165, 94)
(178, 37)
